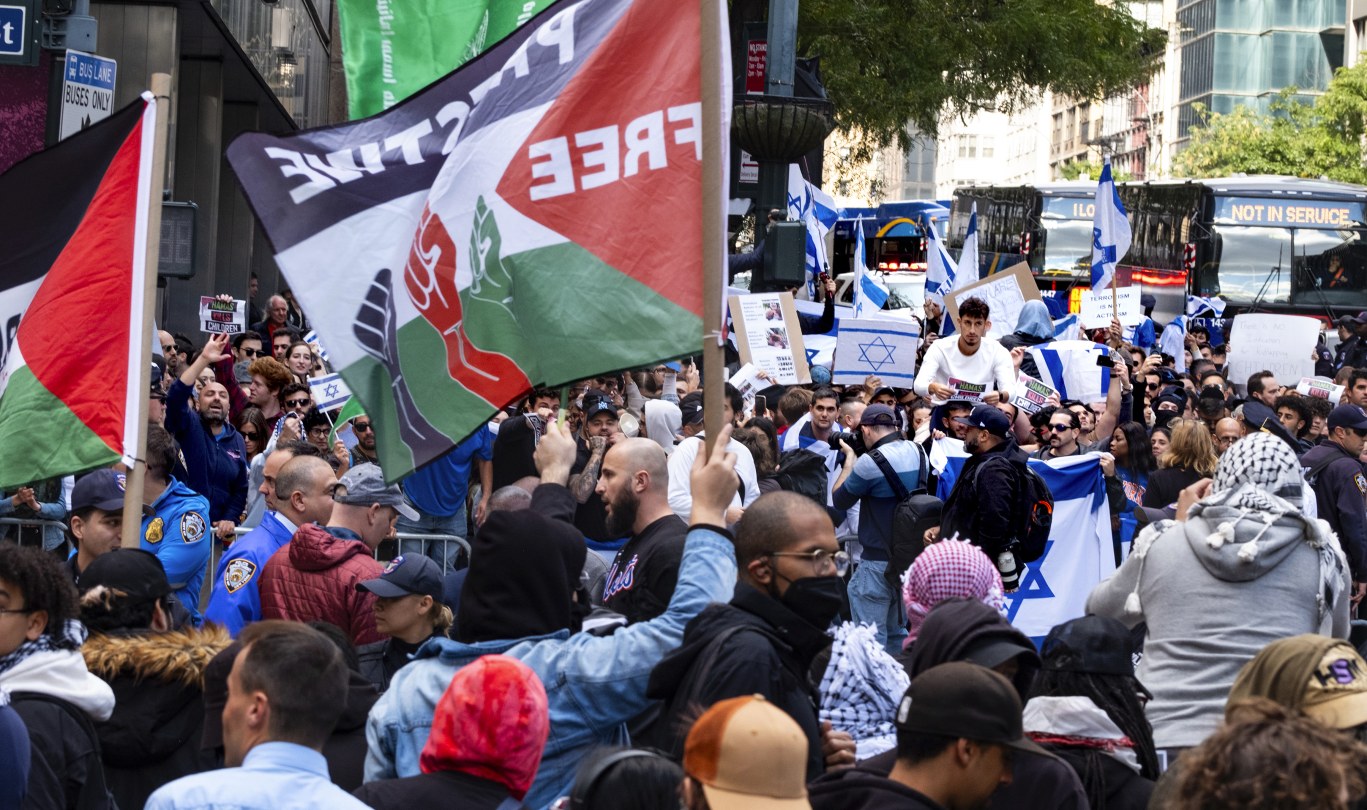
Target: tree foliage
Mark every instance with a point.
(1323, 139)
(890, 62)
(1074, 169)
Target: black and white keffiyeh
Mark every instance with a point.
(861, 689)
(72, 636)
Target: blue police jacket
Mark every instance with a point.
(178, 533)
(236, 598)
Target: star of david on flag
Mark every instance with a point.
(1111, 234)
(330, 392)
(885, 348)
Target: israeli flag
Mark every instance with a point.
(1196, 304)
(1067, 327)
(968, 259)
(312, 339)
(869, 292)
(1070, 368)
(817, 210)
(330, 392)
(1079, 553)
(941, 272)
(1173, 342)
(1111, 233)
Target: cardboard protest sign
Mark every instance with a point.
(222, 317)
(882, 347)
(1004, 292)
(1097, 310)
(768, 335)
(1282, 344)
(1031, 395)
(1320, 388)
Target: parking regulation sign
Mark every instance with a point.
(87, 91)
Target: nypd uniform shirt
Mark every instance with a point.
(236, 600)
(178, 533)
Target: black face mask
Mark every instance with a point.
(816, 600)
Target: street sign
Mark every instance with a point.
(18, 34)
(87, 91)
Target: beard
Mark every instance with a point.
(622, 516)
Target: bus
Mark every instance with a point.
(894, 235)
(1274, 244)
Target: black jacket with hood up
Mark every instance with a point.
(768, 651)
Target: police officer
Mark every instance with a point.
(1333, 469)
(177, 531)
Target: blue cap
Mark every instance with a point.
(988, 418)
(406, 575)
(102, 490)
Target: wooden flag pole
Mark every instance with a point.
(713, 219)
(142, 341)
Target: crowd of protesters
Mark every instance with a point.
(584, 606)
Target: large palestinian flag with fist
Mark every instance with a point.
(73, 220)
(532, 218)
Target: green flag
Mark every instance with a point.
(391, 48)
(352, 409)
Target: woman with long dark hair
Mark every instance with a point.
(1133, 462)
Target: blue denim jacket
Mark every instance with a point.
(594, 683)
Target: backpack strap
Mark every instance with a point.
(899, 490)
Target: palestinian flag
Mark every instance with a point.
(533, 218)
(72, 220)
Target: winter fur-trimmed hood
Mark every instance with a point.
(179, 656)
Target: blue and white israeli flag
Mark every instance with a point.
(968, 259)
(330, 392)
(1111, 232)
(1197, 304)
(869, 292)
(1173, 342)
(1067, 327)
(941, 272)
(817, 210)
(1070, 368)
(312, 339)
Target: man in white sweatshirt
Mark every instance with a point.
(971, 366)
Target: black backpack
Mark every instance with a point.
(803, 472)
(1033, 516)
(915, 512)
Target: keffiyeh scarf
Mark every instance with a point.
(949, 569)
(71, 637)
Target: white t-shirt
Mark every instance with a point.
(990, 365)
(681, 467)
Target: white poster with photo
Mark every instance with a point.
(1281, 344)
(881, 347)
(748, 382)
(768, 336)
(1098, 309)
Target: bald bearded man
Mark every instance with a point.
(634, 486)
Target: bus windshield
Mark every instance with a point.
(1067, 246)
(1304, 266)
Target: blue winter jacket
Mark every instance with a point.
(594, 683)
(216, 466)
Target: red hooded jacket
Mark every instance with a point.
(313, 578)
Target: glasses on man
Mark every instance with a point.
(252, 352)
(1060, 427)
(361, 427)
(169, 349)
(820, 559)
(297, 403)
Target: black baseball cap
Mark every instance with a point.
(1348, 416)
(964, 700)
(1098, 645)
(690, 408)
(102, 490)
(406, 575)
(988, 418)
(879, 416)
(596, 402)
(136, 572)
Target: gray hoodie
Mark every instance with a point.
(1215, 590)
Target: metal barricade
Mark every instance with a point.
(31, 523)
(388, 548)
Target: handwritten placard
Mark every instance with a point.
(222, 317)
(1097, 310)
(1004, 293)
(1281, 344)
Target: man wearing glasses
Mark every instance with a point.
(764, 640)
(1333, 470)
(364, 451)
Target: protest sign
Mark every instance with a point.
(1031, 395)
(748, 382)
(965, 391)
(1004, 292)
(768, 336)
(222, 317)
(1281, 344)
(1320, 388)
(882, 347)
(1097, 309)
(330, 392)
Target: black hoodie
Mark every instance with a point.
(984, 498)
(768, 650)
(860, 789)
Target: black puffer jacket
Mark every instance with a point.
(158, 681)
(767, 650)
(980, 506)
